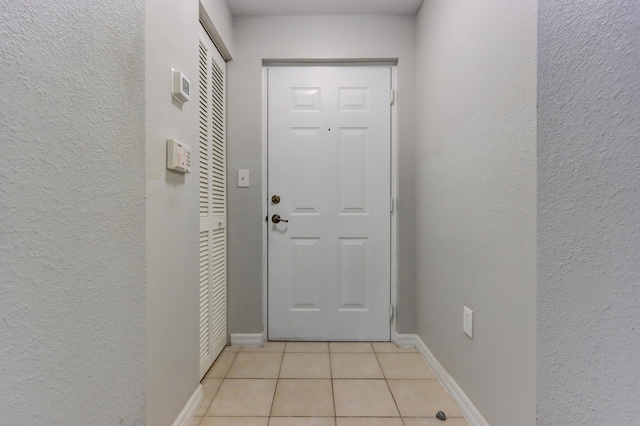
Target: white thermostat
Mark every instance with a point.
(178, 156)
(179, 86)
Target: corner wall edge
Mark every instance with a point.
(470, 412)
(189, 410)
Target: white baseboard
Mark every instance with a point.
(247, 339)
(404, 340)
(469, 410)
(185, 416)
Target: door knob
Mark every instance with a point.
(277, 219)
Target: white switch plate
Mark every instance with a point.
(467, 324)
(243, 178)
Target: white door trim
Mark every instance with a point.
(394, 180)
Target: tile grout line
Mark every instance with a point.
(386, 381)
(221, 383)
(333, 394)
(273, 399)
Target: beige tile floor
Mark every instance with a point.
(323, 384)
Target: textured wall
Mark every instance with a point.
(301, 37)
(476, 190)
(72, 303)
(589, 213)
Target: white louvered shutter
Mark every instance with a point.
(213, 203)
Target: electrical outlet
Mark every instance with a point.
(467, 324)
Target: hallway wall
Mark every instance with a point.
(302, 37)
(588, 213)
(72, 228)
(172, 262)
(476, 191)
(172, 215)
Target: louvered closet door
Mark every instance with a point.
(213, 204)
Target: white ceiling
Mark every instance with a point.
(323, 7)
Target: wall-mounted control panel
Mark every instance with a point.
(178, 156)
(180, 87)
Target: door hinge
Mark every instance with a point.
(390, 312)
(393, 96)
(391, 205)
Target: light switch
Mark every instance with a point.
(243, 178)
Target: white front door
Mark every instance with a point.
(329, 156)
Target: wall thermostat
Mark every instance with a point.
(178, 156)
(179, 86)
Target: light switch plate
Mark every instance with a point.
(243, 178)
(467, 325)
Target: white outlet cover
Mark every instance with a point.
(467, 324)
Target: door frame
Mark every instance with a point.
(387, 63)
